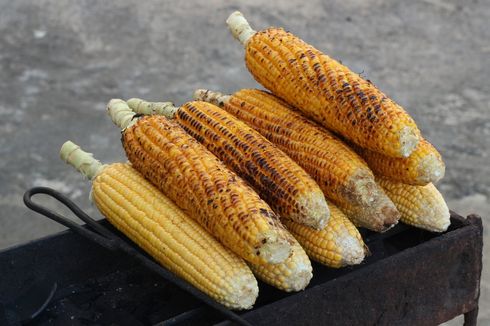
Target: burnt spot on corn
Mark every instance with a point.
(264, 212)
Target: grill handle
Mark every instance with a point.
(109, 240)
(101, 236)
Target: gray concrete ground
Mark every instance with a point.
(61, 61)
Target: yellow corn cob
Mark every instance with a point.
(202, 186)
(135, 207)
(420, 206)
(282, 183)
(423, 166)
(325, 90)
(341, 174)
(293, 274)
(338, 245)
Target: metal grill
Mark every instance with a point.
(413, 277)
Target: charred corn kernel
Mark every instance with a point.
(294, 274)
(151, 220)
(202, 186)
(339, 244)
(341, 174)
(420, 206)
(284, 185)
(325, 90)
(423, 166)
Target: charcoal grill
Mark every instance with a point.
(413, 277)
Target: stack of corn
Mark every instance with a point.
(382, 133)
(258, 183)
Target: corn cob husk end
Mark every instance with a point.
(391, 217)
(239, 27)
(140, 106)
(301, 278)
(442, 211)
(436, 221)
(274, 249)
(292, 275)
(348, 240)
(380, 216)
(121, 114)
(353, 249)
(430, 169)
(315, 209)
(82, 161)
(301, 270)
(362, 188)
(216, 98)
(245, 292)
(409, 139)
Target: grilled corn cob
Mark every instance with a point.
(341, 174)
(423, 166)
(135, 207)
(202, 186)
(338, 245)
(283, 184)
(420, 206)
(325, 90)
